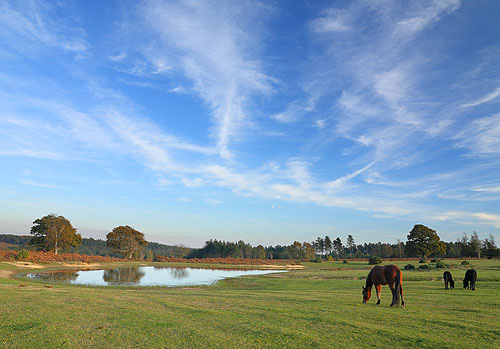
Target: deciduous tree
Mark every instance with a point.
(424, 241)
(126, 240)
(53, 233)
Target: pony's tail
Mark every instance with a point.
(397, 285)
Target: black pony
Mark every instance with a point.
(470, 279)
(448, 280)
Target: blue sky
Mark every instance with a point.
(263, 121)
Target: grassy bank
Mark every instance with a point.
(319, 306)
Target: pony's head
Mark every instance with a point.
(452, 284)
(466, 283)
(366, 293)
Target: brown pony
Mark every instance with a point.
(385, 275)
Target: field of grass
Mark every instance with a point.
(319, 306)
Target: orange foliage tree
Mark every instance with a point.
(126, 240)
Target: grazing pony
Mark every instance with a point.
(448, 280)
(385, 275)
(470, 279)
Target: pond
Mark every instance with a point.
(144, 276)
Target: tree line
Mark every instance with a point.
(55, 233)
(422, 241)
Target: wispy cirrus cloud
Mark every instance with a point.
(333, 20)
(482, 136)
(371, 130)
(36, 184)
(33, 22)
(214, 48)
(488, 98)
(482, 218)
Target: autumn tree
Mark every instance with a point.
(308, 250)
(126, 240)
(424, 241)
(53, 233)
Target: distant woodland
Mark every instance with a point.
(420, 243)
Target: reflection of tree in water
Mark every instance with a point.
(123, 275)
(179, 273)
(57, 276)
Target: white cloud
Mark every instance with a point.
(341, 181)
(333, 20)
(43, 185)
(213, 201)
(119, 57)
(25, 25)
(482, 218)
(164, 182)
(481, 136)
(320, 123)
(215, 48)
(426, 16)
(488, 98)
(178, 89)
(192, 182)
(488, 190)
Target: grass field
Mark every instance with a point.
(319, 306)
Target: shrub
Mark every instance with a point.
(316, 260)
(424, 266)
(374, 260)
(23, 254)
(440, 264)
(409, 267)
(434, 260)
(422, 260)
(344, 261)
(330, 258)
(465, 263)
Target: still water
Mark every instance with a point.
(145, 276)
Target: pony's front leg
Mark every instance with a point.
(378, 288)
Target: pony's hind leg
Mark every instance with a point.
(378, 288)
(394, 297)
(401, 293)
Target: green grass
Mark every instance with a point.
(319, 306)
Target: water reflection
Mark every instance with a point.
(176, 273)
(63, 275)
(145, 276)
(179, 273)
(123, 275)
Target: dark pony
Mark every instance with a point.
(385, 275)
(470, 279)
(448, 280)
